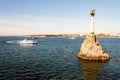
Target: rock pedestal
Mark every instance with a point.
(92, 50)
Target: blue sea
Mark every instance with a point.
(56, 59)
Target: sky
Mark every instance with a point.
(24, 17)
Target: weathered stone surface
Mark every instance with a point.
(91, 49)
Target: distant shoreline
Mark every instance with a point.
(100, 35)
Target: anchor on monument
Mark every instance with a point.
(90, 48)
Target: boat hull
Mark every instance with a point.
(27, 42)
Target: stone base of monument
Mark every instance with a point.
(92, 50)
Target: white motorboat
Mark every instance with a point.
(25, 41)
(72, 38)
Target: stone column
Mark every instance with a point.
(92, 20)
(92, 24)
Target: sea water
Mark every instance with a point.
(56, 59)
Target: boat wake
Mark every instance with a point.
(12, 42)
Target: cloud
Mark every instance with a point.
(107, 26)
(44, 25)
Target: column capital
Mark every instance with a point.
(92, 13)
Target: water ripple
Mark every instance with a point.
(55, 59)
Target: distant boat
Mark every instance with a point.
(25, 41)
(72, 38)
